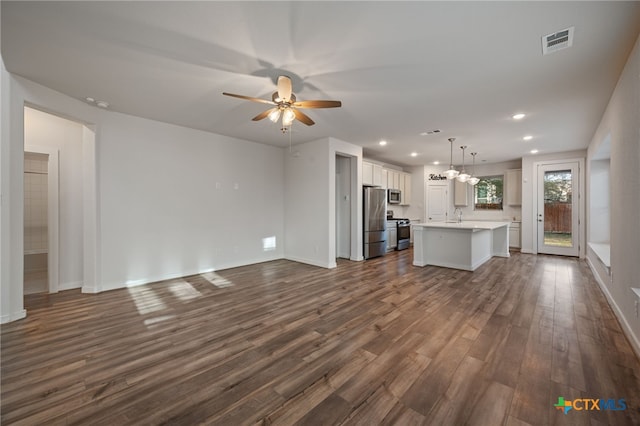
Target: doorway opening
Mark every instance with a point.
(343, 207)
(37, 250)
(59, 210)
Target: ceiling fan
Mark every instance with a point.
(286, 105)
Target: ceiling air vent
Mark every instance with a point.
(557, 41)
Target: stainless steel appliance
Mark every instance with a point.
(375, 224)
(393, 196)
(404, 233)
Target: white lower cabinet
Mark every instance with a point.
(514, 235)
(392, 235)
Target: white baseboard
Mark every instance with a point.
(89, 289)
(312, 262)
(626, 328)
(13, 317)
(69, 286)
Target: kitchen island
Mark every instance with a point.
(459, 245)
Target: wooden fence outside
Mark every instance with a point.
(557, 217)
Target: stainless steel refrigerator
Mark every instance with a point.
(375, 222)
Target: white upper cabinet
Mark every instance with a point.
(460, 193)
(514, 187)
(393, 179)
(372, 174)
(367, 173)
(377, 175)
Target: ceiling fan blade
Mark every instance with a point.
(317, 104)
(263, 114)
(284, 88)
(302, 117)
(249, 98)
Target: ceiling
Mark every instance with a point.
(399, 68)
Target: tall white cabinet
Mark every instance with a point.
(513, 180)
(460, 193)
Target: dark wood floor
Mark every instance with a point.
(376, 342)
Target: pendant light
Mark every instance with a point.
(451, 173)
(463, 176)
(473, 180)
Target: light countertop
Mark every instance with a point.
(464, 225)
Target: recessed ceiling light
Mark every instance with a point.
(383, 143)
(414, 154)
(102, 104)
(534, 151)
(527, 138)
(89, 99)
(518, 116)
(436, 163)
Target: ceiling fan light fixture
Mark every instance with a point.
(274, 115)
(287, 117)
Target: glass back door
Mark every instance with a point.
(557, 216)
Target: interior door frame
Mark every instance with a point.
(581, 226)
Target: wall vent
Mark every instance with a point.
(557, 41)
(430, 132)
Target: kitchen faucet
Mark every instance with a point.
(458, 213)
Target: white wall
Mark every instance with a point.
(159, 212)
(46, 130)
(184, 201)
(11, 258)
(306, 204)
(620, 120)
(310, 201)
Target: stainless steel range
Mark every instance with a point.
(404, 233)
(403, 227)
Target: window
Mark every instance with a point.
(488, 193)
